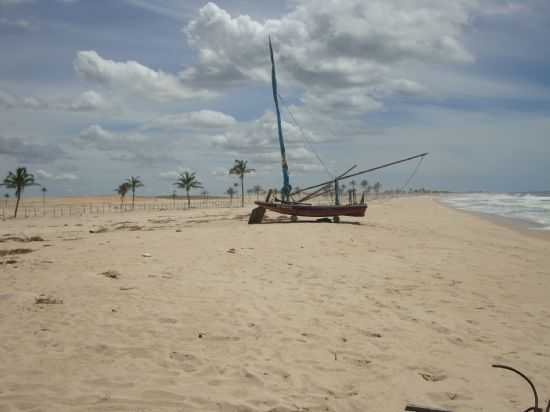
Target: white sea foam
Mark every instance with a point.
(532, 207)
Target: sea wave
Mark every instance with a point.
(530, 207)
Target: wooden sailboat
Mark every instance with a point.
(290, 203)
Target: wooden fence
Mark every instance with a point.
(95, 209)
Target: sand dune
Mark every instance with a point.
(207, 313)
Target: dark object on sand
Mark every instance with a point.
(294, 205)
(47, 300)
(113, 274)
(415, 408)
(535, 394)
(19, 251)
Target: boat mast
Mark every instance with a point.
(286, 189)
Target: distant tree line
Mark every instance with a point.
(188, 181)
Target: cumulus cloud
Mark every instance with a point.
(173, 174)
(133, 78)
(102, 139)
(56, 177)
(130, 146)
(257, 141)
(202, 119)
(331, 44)
(86, 102)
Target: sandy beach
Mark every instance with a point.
(198, 311)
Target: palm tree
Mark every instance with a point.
(231, 193)
(18, 181)
(364, 184)
(133, 183)
(240, 169)
(258, 190)
(377, 186)
(188, 181)
(44, 190)
(122, 189)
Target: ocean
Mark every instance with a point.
(532, 208)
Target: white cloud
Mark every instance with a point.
(329, 44)
(257, 140)
(56, 177)
(102, 139)
(174, 174)
(133, 78)
(128, 146)
(86, 102)
(202, 119)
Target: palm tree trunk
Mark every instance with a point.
(133, 197)
(242, 191)
(17, 204)
(188, 200)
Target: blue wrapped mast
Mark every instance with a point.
(286, 189)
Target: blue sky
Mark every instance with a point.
(92, 92)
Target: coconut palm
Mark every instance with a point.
(377, 186)
(364, 184)
(188, 181)
(231, 193)
(239, 169)
(44, 190)
(133, 183)
(18, 181)
(122, 189)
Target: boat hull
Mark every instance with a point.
(314, 211)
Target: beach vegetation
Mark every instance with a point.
(134, 182)
(240, 168)
(122, 190)
(188, 181)
(19, 181)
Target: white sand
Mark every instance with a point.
(414, 304)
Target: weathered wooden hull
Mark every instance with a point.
(314, 211)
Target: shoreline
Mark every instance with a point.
(525, 227)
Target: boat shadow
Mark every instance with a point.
(278, 222)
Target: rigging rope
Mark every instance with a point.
(413, 173)
(309, 143)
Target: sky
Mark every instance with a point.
(95, 91)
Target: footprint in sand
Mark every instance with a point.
(187, 361)
(433, 376)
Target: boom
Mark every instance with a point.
(346, 176)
